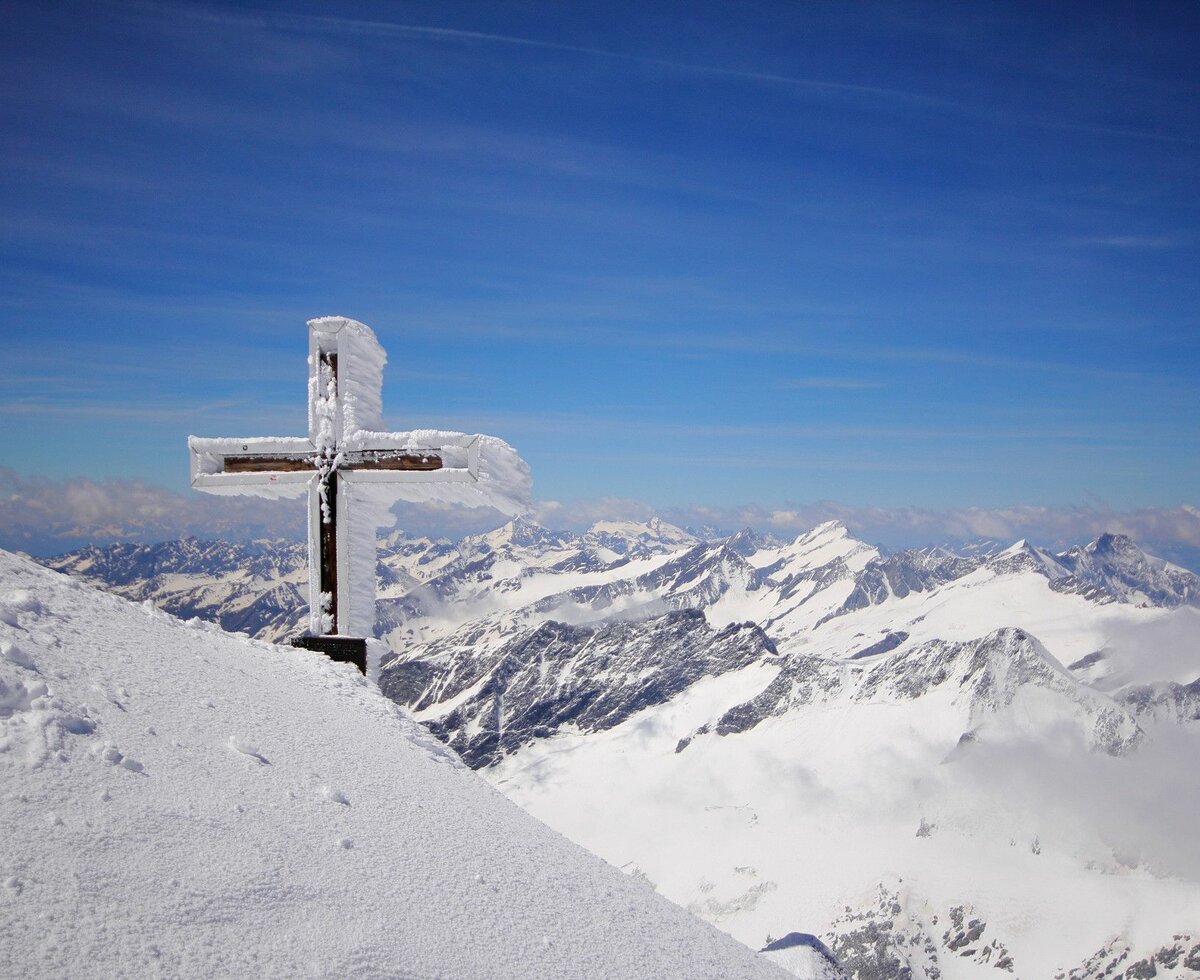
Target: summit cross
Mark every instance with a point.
(352, 472)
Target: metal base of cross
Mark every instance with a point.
(342, 649)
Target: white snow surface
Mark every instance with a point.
(178, 801)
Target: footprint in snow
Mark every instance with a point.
(247, 749)
(115, 757)
(335, 796)
(116, 698)
(17, 602)
(15, 655)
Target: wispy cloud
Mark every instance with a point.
(358, 27)
(1125, 241)
(832, 384)
(1119, 131)
(350, 26)
(43, 516)
(949, 429)
(109, 410)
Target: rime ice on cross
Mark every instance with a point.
(352, 472)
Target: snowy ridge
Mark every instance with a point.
(985, 679)
(182, 802)
(523, 574)
(1113, 567)
(1164, 702)
(636, 540)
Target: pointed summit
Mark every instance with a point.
(1113, 568)
(745, 543)
(825, 543)
(520, 532)
(827, 530)
(1022, 556)
(636, 539)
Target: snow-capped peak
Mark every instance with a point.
(825, 543)
(825, 532)
(1113, 567)
(520, 532)
(635, 537)
(1022, 556)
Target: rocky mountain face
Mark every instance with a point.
(741, 702)
(591, 678)
(259, 588)
(1112, 568)
(896, 576)
(1164, 701)
(1176, 959)
(895, 935)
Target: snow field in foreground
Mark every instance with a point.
(178, 801)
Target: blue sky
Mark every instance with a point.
(941, 255)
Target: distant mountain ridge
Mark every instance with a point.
(223, 581)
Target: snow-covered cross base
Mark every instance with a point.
(353, 472)
(342, 649)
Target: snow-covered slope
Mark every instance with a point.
(177, 801)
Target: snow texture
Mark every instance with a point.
(177, 801)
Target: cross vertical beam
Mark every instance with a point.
(328, 546)
(327, 539)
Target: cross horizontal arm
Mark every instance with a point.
(238, 466)
(476, 470)
(283, 463)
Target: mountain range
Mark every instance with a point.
(940, 763)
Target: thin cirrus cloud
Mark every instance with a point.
(354, 26)
(1125, 241)
(351, 27)
(831, 384)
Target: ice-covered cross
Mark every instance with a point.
(352, 473)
